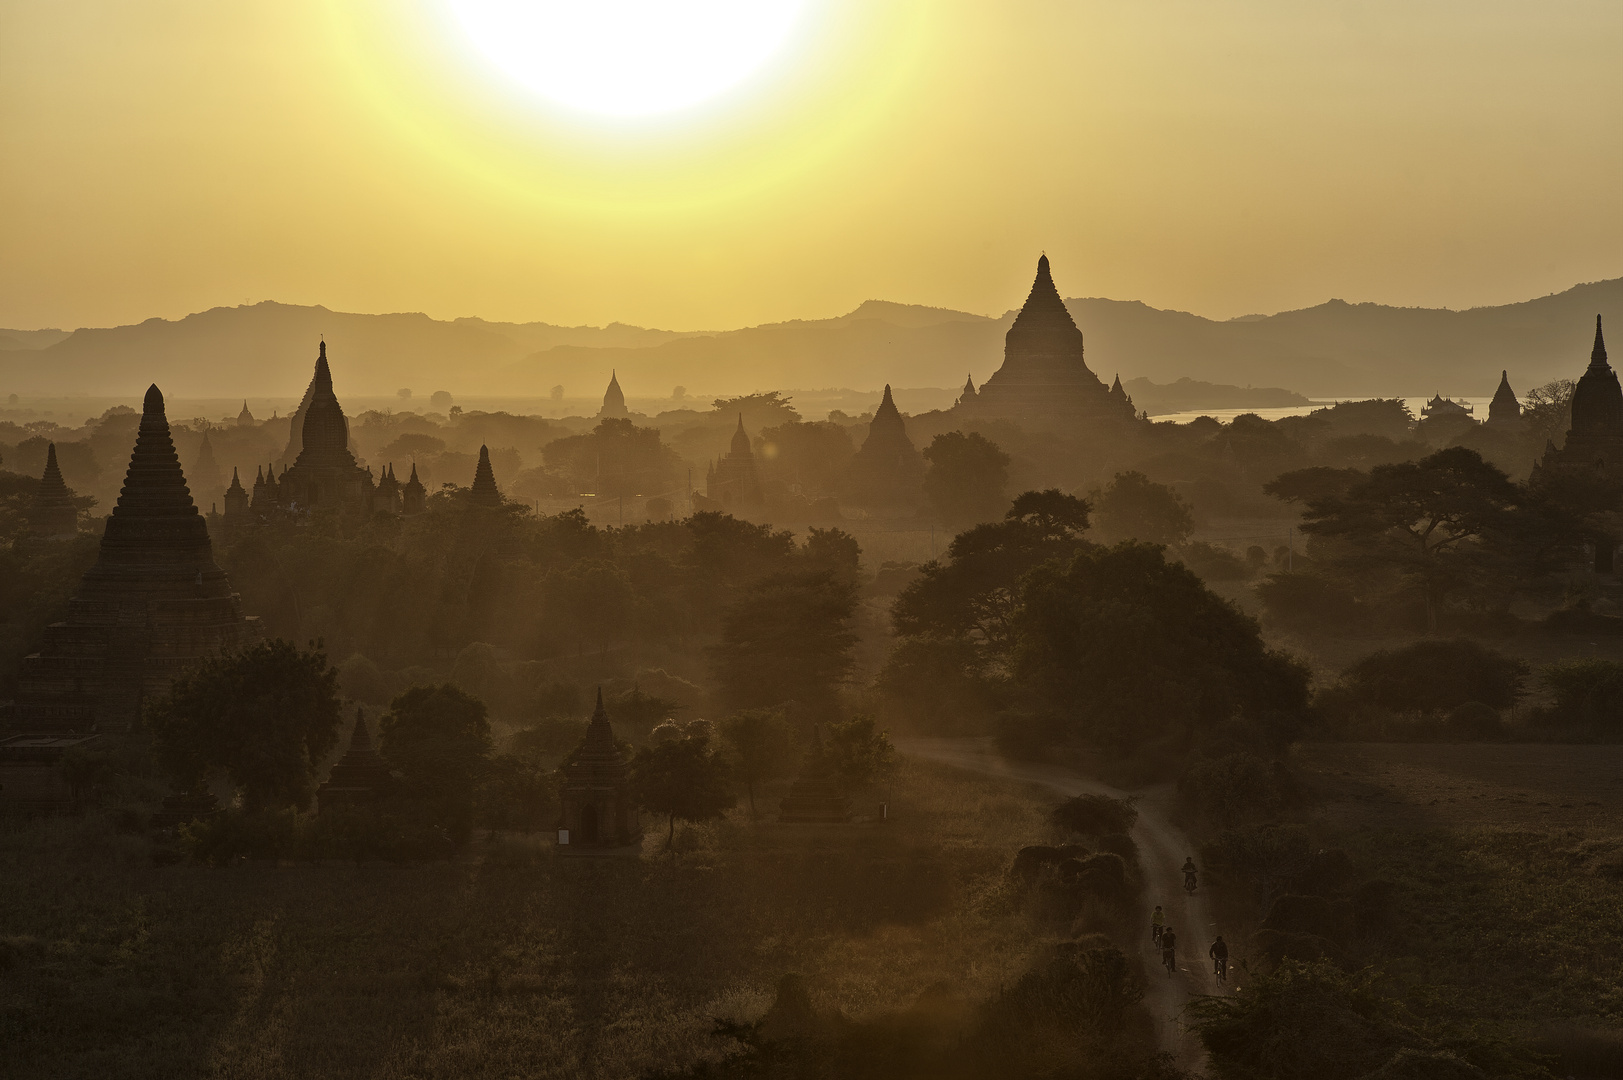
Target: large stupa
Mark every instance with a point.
(1045, 382)
(325, 473)
(153, 604)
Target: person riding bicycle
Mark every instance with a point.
(1219, 952)
(1169, 945)
(1157, 921)
(1189, 872)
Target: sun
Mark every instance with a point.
(628, 58)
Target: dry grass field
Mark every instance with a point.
(1507, 867)
(513, 961)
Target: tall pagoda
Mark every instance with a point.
(153, 604)
(887, 473)
(614, 401)
(325, 473)
(733, 480)
(1589, 464)
(52, 512)
(1045, 381)
(485, 492)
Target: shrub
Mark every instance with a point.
(1095, 815)
(1316, 915)
(1305, 600)
(1214, 563)
(1303, 1020)
(1436, 676)
(1265, 857)
(1235, 787)
(1587, 692)
(1475, 721)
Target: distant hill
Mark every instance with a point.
(1333, 349)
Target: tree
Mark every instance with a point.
(438, 739)
(762, 746)
(967, 477)
(787, 638)
(835, 550)
(615, 458)
(1120, 648)
(1095, 815)
(682, 778)
(857, 753)
(971, 597)
(1430, 519)
(1134, 507)
(267, 714)
(1436, 676)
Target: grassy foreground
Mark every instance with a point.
(510, 961)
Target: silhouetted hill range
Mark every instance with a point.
(1333, 349)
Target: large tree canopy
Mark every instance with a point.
(1120, 648)
(267, 714)
(787, 638)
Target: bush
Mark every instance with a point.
(1316, 915)
(1587, 693)
(1303, 1020)
(1236, 787)
(1302, 600)
(1095, 815)
(1265, 857)
(1436, 676)
(1214, 563)
(1475, 721)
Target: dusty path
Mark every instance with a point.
(1162, 848)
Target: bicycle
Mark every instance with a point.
(1189, 883)
(1220, 968)
(1169, 957)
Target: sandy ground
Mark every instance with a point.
(1464, 785)
(1162, 850)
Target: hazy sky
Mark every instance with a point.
(166, 156)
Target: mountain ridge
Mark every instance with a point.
(1335, 348)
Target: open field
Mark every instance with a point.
(1465, 785)
(512, 961)
(1507, 869)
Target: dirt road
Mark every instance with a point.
(1162, 848)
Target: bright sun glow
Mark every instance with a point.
(628, 57)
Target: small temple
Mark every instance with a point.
(413, 496)
(204, 475)
(1441, 408)
(888, 470)
(359, 776)
(154, 602)
(52, 512)
(485, 492)
(815, 798)
(733, 480)
(614, 401)
(245, 418)
(387, 499)
(1504, 408)
(1593, 449)
(237, 501)
(597, 806)
(1044, 382)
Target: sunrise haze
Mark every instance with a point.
(1223, 159)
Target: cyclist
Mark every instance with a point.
(1219, 952)
(1169, 955)
(1157, 921)
(1189, 873)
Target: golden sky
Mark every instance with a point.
(166, 156)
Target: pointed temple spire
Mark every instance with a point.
(52, 512)
(741, 441)
(325, 430)
(599, 741)
(156, 571)
(245, 418)
(485, 492)
(1597, 400)
(614, 401)
(1504, 408)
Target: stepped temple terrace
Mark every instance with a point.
(154, 601)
